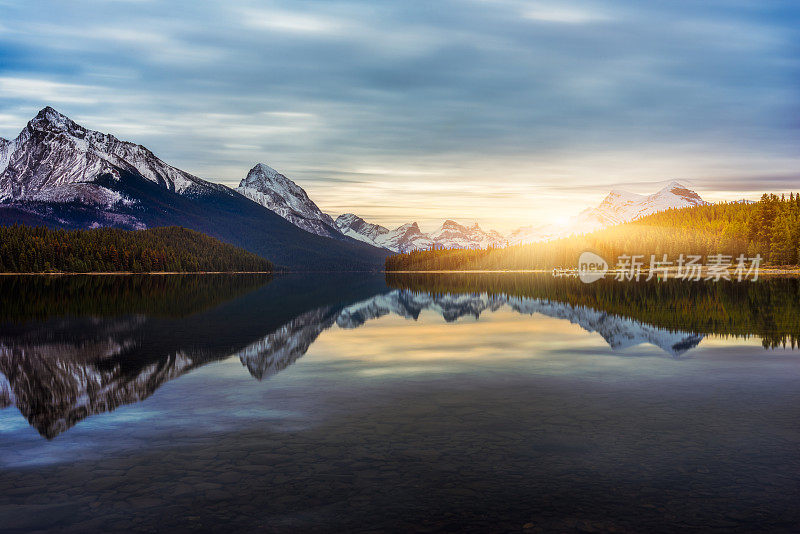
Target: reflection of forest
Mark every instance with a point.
(768, 308)
(39, 297)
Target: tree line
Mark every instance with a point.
(769, 228)
(169, 249)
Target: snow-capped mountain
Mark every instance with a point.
(617, 207)
(57, 173)
(622, 206)
(454, 235)
(277, 193)
(54, 159)
(402, 239)
(409, 236)
(354, 226)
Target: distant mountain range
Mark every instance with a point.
(57, 173)
(409, 236)
(60, 174)
(618, 207)
(281, 195)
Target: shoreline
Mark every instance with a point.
(127, 273)
(763, 271)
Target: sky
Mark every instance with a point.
(504, 112)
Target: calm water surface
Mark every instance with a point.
(455, 403)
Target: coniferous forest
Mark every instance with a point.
(26, 249)
(769, 228)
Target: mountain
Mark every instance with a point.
(402, 239)
(57, 173)
(454, 235)
(354, 226)
(409, 236)
(279, 194)
(617, 207)
(56, 160)
(622, 206)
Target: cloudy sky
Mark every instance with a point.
(507, 112)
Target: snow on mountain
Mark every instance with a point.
(622, 206)
(617, 207)
(354, 226)
(406, 238)
(402, 239)
(409, 236)
(6, 148)
(54, 159)
(277, 193)
(454, 235)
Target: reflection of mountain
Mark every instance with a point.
(280, 349)
(619, 332)
(60, 370)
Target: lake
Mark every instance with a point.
(364, 403)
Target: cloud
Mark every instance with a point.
(292, 22)
(390, 103)
(560, 14)
(44, 90)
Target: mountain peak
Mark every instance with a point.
(409, 226)
(266, 186)
(450, 224)
(678, 189)
(262, 174)
(263, 167)
(347, 218)
(616, 194)
(49, 118)
(674, 184)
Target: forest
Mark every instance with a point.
(26, 249)
(769, 228)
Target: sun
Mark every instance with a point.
(562, 221)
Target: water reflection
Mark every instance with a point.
(450, 404)
(73, 347)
